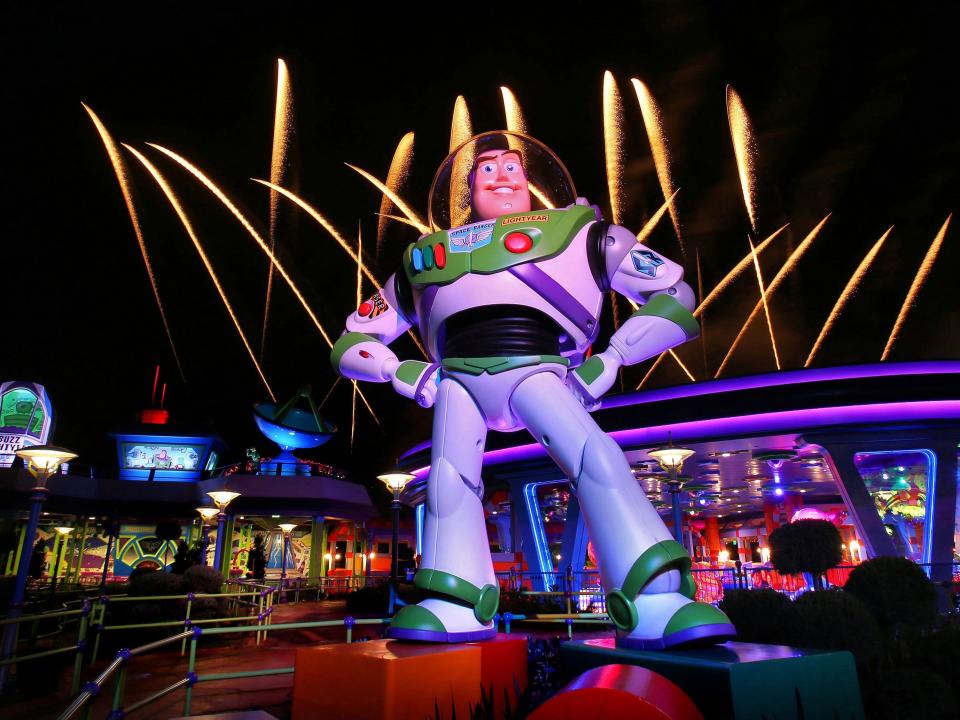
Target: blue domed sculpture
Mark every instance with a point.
(292, 428)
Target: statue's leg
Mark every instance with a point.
(645, 573)
(456, 569)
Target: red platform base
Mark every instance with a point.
(396, 680)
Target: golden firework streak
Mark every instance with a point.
(851, 287)
(512, 112)
(315, 214)
(188, 226)
(775, 283)
(732, 275)
(396, 199)
(189, 167)
(397, 175)
(925, 267)
(653, 122)
(120, 170)
(649, 226)
(745, 151)
(763, 300)
(613, 144)
(461, 130)
(282, 121)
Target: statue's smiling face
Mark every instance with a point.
(499, 185)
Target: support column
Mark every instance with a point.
(573, 546)
(80, 544)
(317, 535)
(226, 547)
(324, 541)
(13, 562)
(56, 557)
(529, 523)
(712, 534)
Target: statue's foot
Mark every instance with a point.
(672, 621)
(439, 621)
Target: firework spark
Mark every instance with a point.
(656, 364)
(316, 215)
(120, 170)
(653, 122)
(336, 381)
(396, 178)
(763, 300)
(745, 150)
(848, 291)
(613, 144)
(218, 193)
(394, 198)
(682, 366)
(774, 284)
(461, 130)
(512, 112)
(734, 273)
(925, 267)
(648, 226)
(188, 226)
(282, 132)
(359, 256)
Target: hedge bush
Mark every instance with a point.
(832, 620)
(811, 546)
(757, 614)
(896, 591)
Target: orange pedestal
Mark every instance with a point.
(503, 671)
(392, 680)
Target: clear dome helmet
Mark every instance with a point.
(492, 155)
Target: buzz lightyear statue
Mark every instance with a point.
(507, 307)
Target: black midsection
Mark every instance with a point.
(499, 331)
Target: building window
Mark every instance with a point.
(383, 548)
(340, 556)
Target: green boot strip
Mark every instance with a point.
(655, 559)
(485, 600)
(495, 365)
(414, 617)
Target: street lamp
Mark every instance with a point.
(221, 499)
(671, 459)
(42, 461)
(206, 515)
(63, 531)
(395, 482)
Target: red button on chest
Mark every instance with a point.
(517, 242)
(364, 309)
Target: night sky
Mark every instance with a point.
(855, 113)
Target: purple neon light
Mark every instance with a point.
(759, 423)
(753, 382)
(785, 377)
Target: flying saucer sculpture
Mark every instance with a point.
(295, 425)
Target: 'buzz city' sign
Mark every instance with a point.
(25, 418)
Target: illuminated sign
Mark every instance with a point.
(162, 456)
(25, 418)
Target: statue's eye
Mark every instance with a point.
(511, 167)
(488, 168)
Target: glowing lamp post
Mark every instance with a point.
(42, 461)
(286, 529)
(395, 482)
(671, 459)
(221, 499)
(206, 515)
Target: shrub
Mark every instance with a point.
(896, 590)
(832, 620)
(909, 694)
(757, 614)
(513, 601)
(811, 546)
(151, 582)
(373, 600)
(203, 579)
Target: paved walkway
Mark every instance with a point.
(150, 673)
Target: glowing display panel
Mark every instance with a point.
(162, 456)
(899, 482)
(25, 418)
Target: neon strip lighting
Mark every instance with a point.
(536, 526)
(926, 554)
(419, 520)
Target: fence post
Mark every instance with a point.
(186, 622)
(98, 627)
(118, 685)
(191, 674)
(348, 623)
(507, 617)
(81, 646)
(568, 581)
